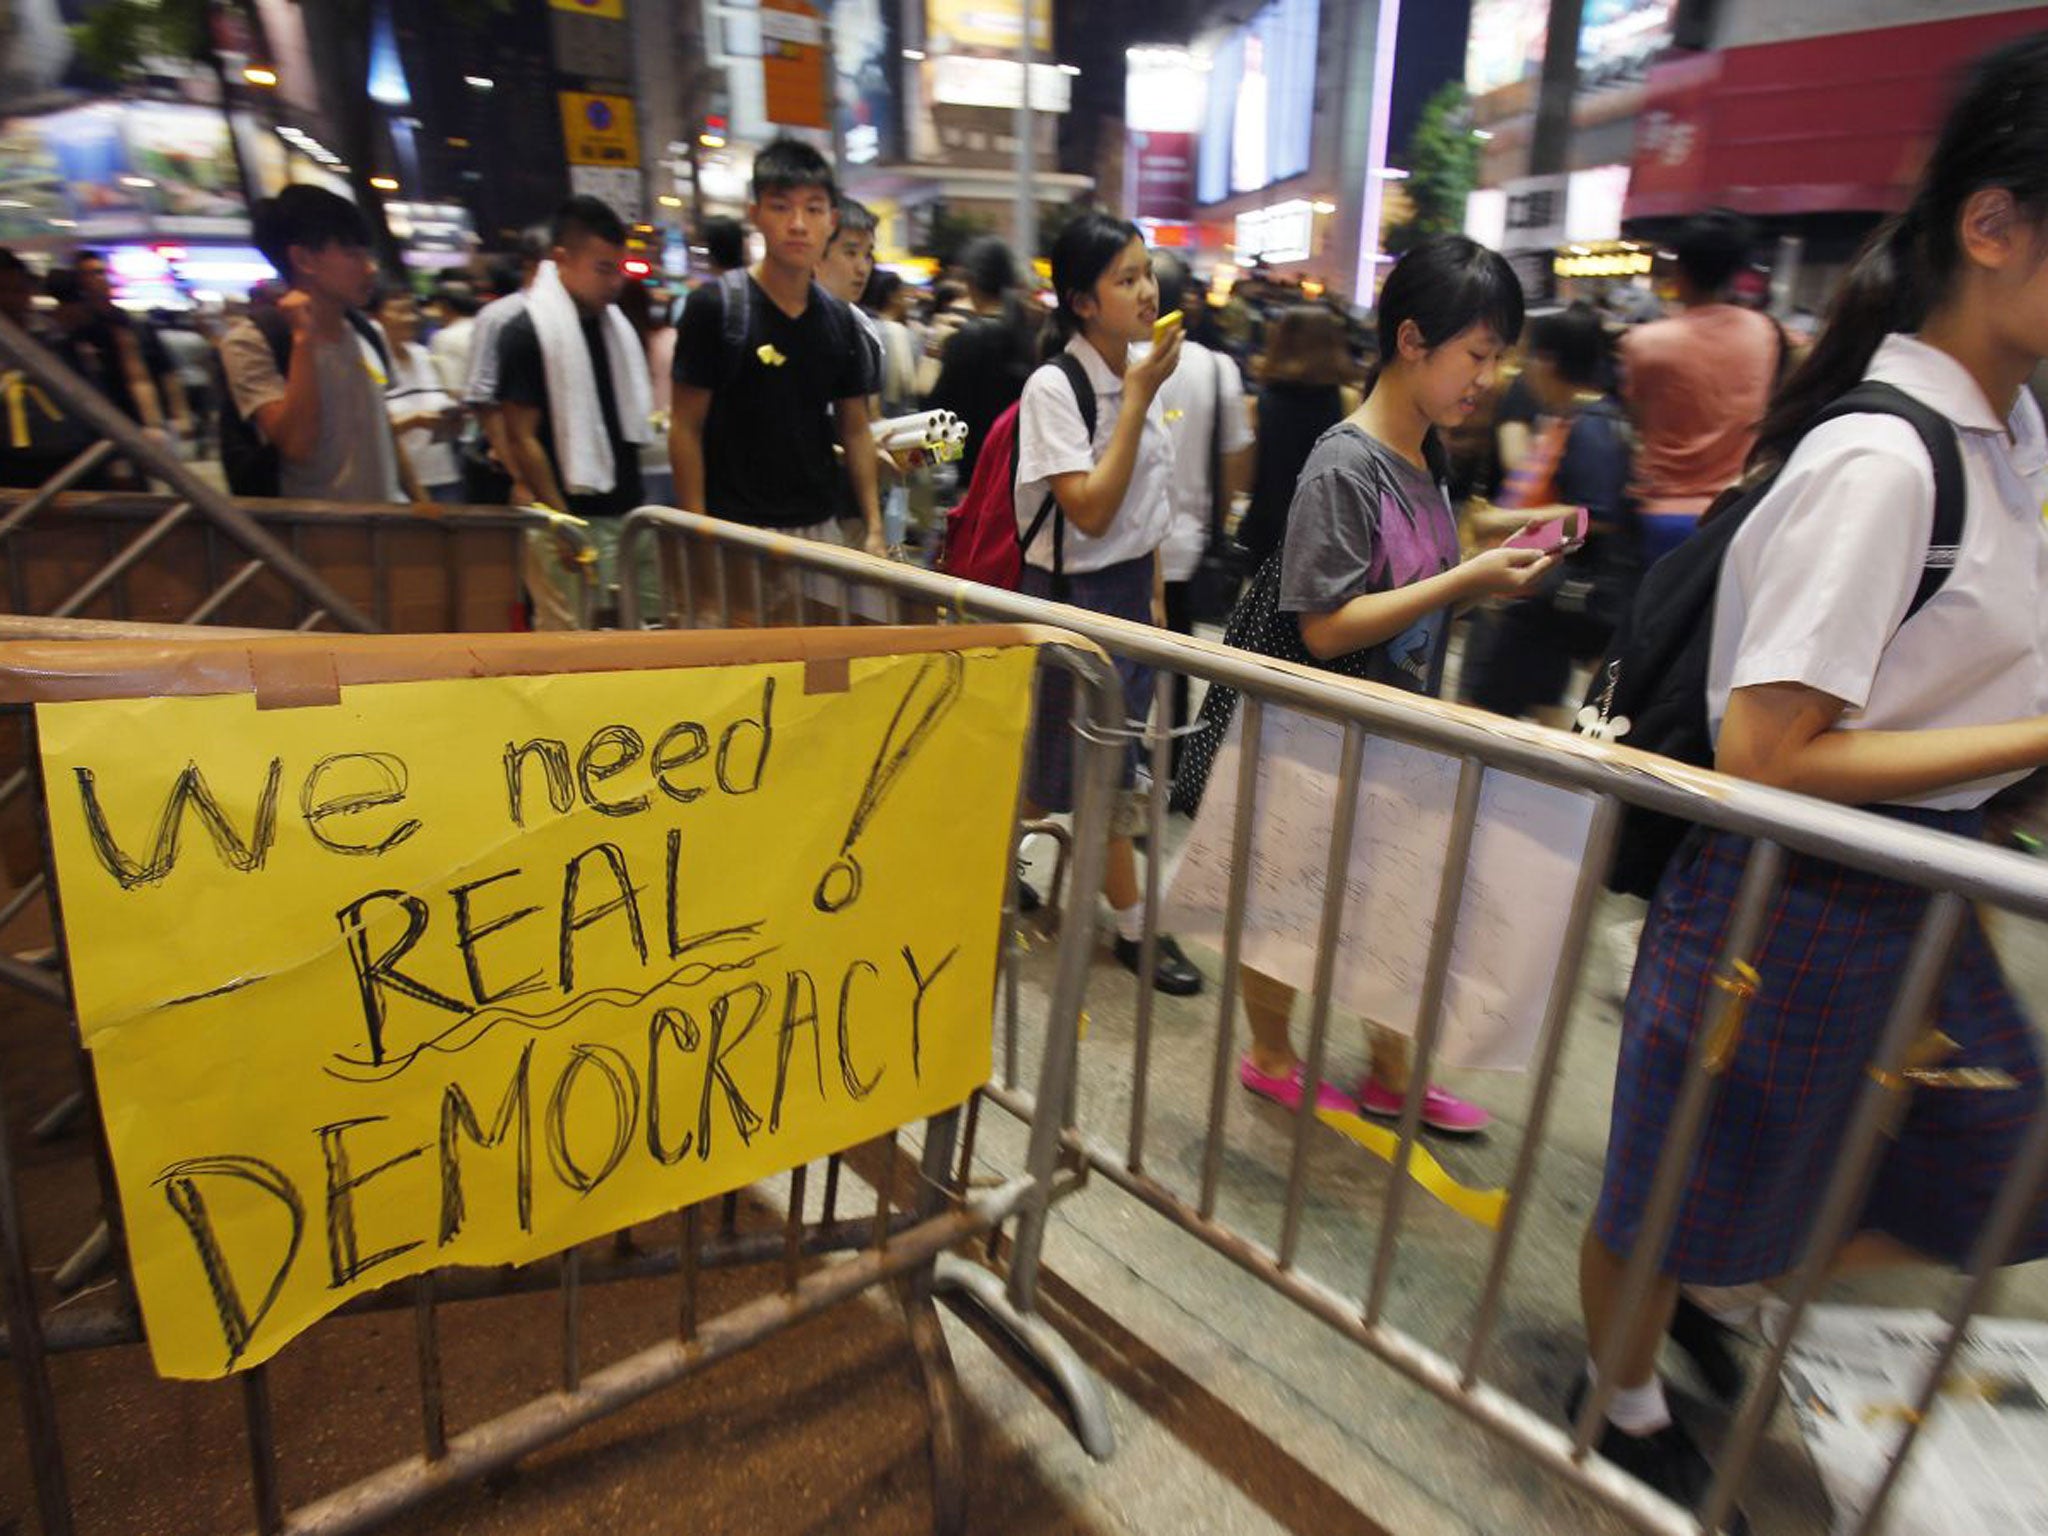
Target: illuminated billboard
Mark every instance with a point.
(1618, 40)
(1261, 102)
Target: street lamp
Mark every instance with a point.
(384, 183)
(256, 74)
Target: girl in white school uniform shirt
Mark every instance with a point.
(1820, 682)
(1112, 508)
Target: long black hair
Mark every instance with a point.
(1996, 135)
(1085, 249)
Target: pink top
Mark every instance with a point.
(1697, 386)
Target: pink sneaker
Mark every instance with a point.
(1286, 1091)
(1441, 1111)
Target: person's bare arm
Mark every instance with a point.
(1784, 735)
(529, 461)
(1375, 617)
(292, 425)
(1090, 498)
(686, 445)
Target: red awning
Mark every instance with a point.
(1834, 124)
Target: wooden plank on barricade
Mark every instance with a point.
(393, 955)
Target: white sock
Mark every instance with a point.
(1635, 1410)
(1130, 922)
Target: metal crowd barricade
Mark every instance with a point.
(923, 1211)
(753, 563)
(199, 556)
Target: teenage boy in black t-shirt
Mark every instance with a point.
(750, 436)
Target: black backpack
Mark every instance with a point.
(249, 463)
(1651, 690)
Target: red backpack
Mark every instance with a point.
(981, 533)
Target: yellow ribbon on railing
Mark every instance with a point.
(14, 385)
(1481, 1205)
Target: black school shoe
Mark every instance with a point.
(1669, 1461)
(1710, 1344)
(1172, 975)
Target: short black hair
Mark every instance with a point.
(725, 242)
(9, 262)
(459, 296)
(586, 217)
(1575, 342)
(64, 286)
(1713, 246)
(789, 165)
(1447, 285)
(85, 256)
(309, 216)
(883, 286)
(855, 218)
(989, 266)
(1171, 273)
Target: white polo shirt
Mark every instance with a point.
(1051, 440)
(1204, 383)
(1818, 579)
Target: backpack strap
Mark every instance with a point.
(736, 294)
(1219, 500)
(1084, 397)
(1938, 436)
(372, 333)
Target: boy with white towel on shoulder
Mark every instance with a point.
(573, 381)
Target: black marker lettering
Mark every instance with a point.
(621, 747)
(344, 1262)
(696, 744)
(728, 773)
(514, 1117)
(848, 1074)
(373, 976)
(181, 1189)
(924, 985)
(799, 1011)
(353, 803)
(680, 1028)
(625, 1114)
(554, 761)
(574, 922)
(190, 789)
(744, 1120)
(467, 938)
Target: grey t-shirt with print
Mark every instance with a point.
(1364, 519)
(353, 458)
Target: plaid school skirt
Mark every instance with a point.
(1123, 591)
(1831, 959)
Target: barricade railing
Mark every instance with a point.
(198, 555)
(719, 573)
(923, 1208)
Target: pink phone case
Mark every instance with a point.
(1553, 535)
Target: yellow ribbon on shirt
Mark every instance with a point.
(1483, 1206)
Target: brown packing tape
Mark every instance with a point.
(303, 679)
(185, 662)
(827, 674)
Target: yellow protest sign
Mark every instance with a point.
(599, 130)
(465, 971)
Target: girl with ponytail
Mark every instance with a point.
(1820, 682)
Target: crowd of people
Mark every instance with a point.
(1357, 499)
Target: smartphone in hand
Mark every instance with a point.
(1553, 536)
(1164, 324)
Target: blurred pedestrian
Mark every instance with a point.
(451, 343)
(1519, 658)
(1301, 395)
(991, 348)
(1212, 449)
(489, 477)
(423, 414)
(1697, 384)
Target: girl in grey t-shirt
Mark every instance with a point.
(1365, 579)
